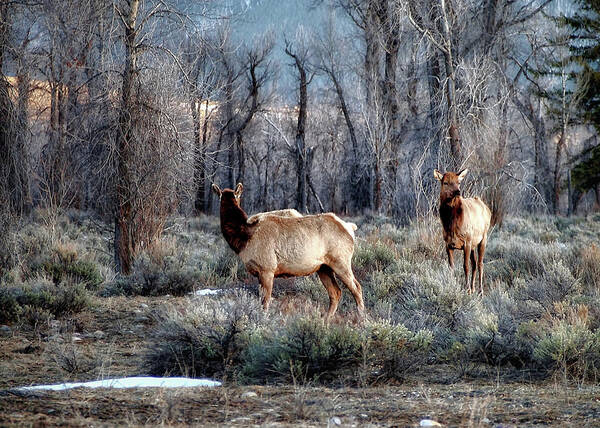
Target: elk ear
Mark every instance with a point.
(462, 174)
(217, 190)
(438, 175)
(238, 190)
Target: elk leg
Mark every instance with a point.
(467, 251)
(335, 293)
(358, 298)
(473, 268)
(266, 286)
(450, 252)
(480, 253)
(347, 277)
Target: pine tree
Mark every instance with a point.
(584, 47)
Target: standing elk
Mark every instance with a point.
(286, 244)
(466, 223)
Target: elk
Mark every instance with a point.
(291, 245)
(466, 222)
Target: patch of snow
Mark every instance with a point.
(429, 423)
(335, 421)
(207, 292)
(129, 382)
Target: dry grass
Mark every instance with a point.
(453, 405)
(590, 266)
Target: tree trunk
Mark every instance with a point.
(570, 190)
(351, 131)
(455, 146)
(301, 152)
(372, 54)
(374, 95)
(392, 45)
(62, 154)
(541, 163)
(490, 12)
(195, 108)
(228, 129)
(241, 171)
(557, 173)
(301, 197)
(265, 193)
(21, 200)
(202, 185)
(200, 131)
(357, 190)
(433, 85)
(378, 180)
(124, 242)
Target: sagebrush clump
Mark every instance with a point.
(40, 299)
(304, 350)
(230, 337)
(206, 337)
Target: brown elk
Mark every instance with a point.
(466, 222)
(287, 245)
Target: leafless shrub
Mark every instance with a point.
(68, 356)
(205, 338)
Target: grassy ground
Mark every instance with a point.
(26, 359)
(527, 353)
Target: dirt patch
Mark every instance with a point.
(453, 405)
(108, 341)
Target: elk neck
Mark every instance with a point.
(235, 230)
(450, 210)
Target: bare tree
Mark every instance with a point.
(201, 79)
(242, 102)
(147, 149)
(331, 64)
(14, 180)
(300, 56)
(434, 22)
(124, 240)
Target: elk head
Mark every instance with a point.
(233, 218)
(230, 195)
(450, 183)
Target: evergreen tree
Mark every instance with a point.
(584, 47)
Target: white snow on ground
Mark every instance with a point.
(207, 291)
(429, 423)
(129, 382)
